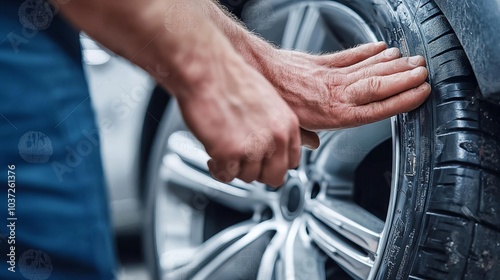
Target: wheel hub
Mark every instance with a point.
(292, 198)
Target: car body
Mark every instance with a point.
(120, 92)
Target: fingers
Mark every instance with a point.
(389, 68)
(274, 168)
(379, 88)
(387, 55)
(401, 103)
(250, 170)
(268, 156)
(309, 139)
(223, 170)
(353, 56)
(294, 147)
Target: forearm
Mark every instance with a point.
(157, 34)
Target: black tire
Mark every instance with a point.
(446, 223)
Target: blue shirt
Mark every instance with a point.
(48, 132)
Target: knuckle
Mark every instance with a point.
(280, 136)
(366, 72)
(257, 146)
(229, 153)
(233, 167)
(381, 57)
(374, 84)
(406, 61)
(350, 94)
(397, 52)
(332, 80)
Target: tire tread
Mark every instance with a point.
(461, 232)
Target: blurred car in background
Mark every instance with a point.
(416, 196)
(120, 92)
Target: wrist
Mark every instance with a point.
(196, 63)
(251, 47)
(186, 45)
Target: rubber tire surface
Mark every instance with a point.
(446, 223)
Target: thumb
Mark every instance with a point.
(309, 139)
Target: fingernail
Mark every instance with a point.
(211, 164)
(223, 177)
(414, 60)
(309, 146)
(417, 71)
(422, 88)
(425, 87)
(391, 52)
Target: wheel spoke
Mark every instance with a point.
(182, 263)
(349, 220)
(270, 257)
(324, 28)
(189, 149)
(292, 27)
(300, 259)
(315, 34)
(352, 260)
(237, 195)
(255, 233)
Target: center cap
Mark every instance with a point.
(292, 199)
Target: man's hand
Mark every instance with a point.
(245, 126)
(349, 88)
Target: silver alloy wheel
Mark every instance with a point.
(204, 229)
